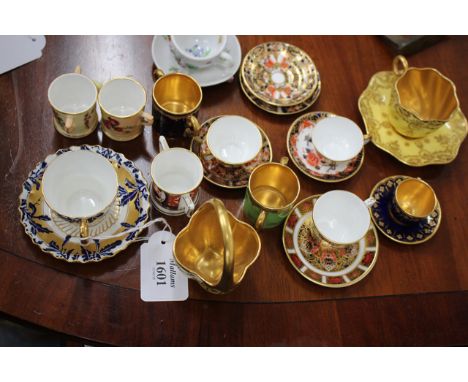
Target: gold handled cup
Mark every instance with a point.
(215, 248)
(122, 102)
(423, 99)
(272, 191)
(176, 102)
(414, 201)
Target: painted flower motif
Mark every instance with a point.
(112, 124)
(367, 258)
(173, 201)
(312, 158)
(305, 124)
(335, 280)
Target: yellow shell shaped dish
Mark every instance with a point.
(438, 147)
(215, 248)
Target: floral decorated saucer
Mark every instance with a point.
(225, 176)
(59, 238)
(164, 59)
(302, 152)
(282, 110)
(413, 233)
(439, 147)
(279, 74)
(324, 263)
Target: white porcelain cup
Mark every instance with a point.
(202, 51)
(341, 217)
(79, 186)
(73, 99)
(122, 102)
(176, 173)
(338, 138)
(234, 140)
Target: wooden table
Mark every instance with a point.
(415, 295)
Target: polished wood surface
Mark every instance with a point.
(415, 295)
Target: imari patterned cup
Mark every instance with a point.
(176, 174)
(414, 201)
(176, 102)
(273, 189)
(341, 217)
(201, 51)
(73, 99)
(423, 99)
(80, 186)
(122, 102)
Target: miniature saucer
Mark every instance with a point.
(439, 147)
(282, 110)
(414, 233)
(55, 236)
(279, 74)
(227, 176)
(335, 267)
(304, 155)
(164, 59)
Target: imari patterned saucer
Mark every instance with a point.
(321, 262)
(439, 147)
(279, 74)
(221, 175)
(302, 152)
(59, 238)
(414, 233)
(282, 110)
(165, 59)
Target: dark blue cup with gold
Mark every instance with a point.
(176, 102)
(413, 201)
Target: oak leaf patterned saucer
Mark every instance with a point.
(58, 238)
(308, 160)
(225, 176)
(413, 233)
(439, 147)
(321, 262)
(279, 74)
(282, 110)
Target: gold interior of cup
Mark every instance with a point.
(199, 247)
(274, 186)
(427, 94)
(416, 198)
(177, 93)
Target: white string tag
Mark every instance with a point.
(160, 277)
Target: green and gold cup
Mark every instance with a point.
(272, 191)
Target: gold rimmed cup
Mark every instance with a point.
(423, 99)
(414, 201)
(176, 102)
(272, 191)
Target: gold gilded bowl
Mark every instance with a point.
(423, 99)
(215, 248)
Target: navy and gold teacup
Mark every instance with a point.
(414, 200)
(176, 102)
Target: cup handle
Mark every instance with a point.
(400, 65)
(367, 138)
(77, 69)
(84, 228)
(193, 123)
(370, 202)
(157, 74)
(227, 278)
(68, 124)
(146, 118)
(226, 59)
(163, 145)
(189, 205)
(284, 161)
(260, 220)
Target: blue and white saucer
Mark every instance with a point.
(414, 233)
(60, 238)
